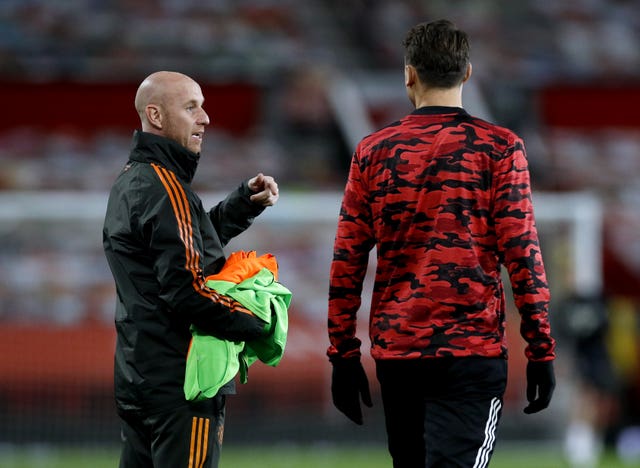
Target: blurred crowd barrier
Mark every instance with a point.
(57, 336)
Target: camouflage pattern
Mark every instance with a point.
(445, 199)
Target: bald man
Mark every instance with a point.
(161, 244)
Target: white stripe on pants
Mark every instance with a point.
(482, 458)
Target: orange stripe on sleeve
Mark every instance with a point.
(182, 213)
(184, 205)
(177, 209)
(180, 205)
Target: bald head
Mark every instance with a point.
(155, 90)
(170, 104)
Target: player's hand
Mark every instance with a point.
(348, 384)
(265, 190)
(541, 381)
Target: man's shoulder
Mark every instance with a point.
(135, 174)
(379, 136)
(490, 128)
(136, 184)
(407, 131)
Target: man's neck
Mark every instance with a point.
(451, 97)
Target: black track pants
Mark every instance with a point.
(190, 436)
(442, 412)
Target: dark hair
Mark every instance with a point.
(439, 51)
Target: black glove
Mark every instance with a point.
(541, 381)
(349, 383)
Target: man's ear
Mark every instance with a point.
(410, 75)
(467, 74)
(154, 116)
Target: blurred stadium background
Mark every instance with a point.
(290, 87)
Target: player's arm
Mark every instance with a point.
(173, 236)
(353, 242)
(520, 248)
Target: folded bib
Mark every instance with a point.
(212, 362)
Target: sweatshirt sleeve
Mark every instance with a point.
(353, 242)
(173, 236)
(519, 249)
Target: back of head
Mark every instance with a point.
(158, 91)
(439, 51)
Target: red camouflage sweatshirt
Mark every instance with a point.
(445, 199)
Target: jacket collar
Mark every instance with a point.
(148, 148)
(432, 110)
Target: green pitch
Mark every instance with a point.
(282, 456)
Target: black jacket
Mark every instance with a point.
(161, 244)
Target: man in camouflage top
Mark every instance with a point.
(445, 199)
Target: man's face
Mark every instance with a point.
(184, 118)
